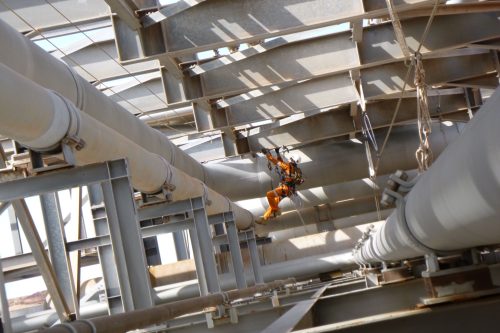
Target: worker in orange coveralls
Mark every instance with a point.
(290, 176)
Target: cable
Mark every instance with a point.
(398, 105)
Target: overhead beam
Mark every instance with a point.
(220, 23)
(338, 123)
(126, 10)
(327, 92)
(307, 96)
(168, 11)
(389, 79)
(454, 9)
(338, 53)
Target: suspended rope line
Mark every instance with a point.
(424, 153)
(298, 205)
(398, 105)
(398, 29)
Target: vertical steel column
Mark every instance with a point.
(234, 247)
(254, 257)
(105, 252)
(56, 241)
(180, 245)
(41, 258)
(4, 304)
(14, 229)
(198, 262)
(126, 238)
(4, 206)
(205, 244)
(76, 227)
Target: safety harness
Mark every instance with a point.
(291, 178)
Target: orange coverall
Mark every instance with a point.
(283, 190)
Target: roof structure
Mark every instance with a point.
(330, 80)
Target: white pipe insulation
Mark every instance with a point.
(334, 193)
(44, 119)
(29, 60)
(455, 204)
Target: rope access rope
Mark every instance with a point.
(424, 153)
(398, 29)
(398, 105)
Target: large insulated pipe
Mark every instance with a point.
(334, 193)
(26, 58)
(325, 163)
(302, 268)
(455, 204)
(124, 322)
(44, 119)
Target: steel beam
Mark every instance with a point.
(14, 229)
(290, 62)
(105, 252)
(181, 246)
(234, 247)
(53, 182)
(206, 249)
(76, 229)
(41, 259)
(304, 97)
(389, 79)
(331, 54)
(126, 10)
(339, 122)
(4, 206)
(56, 241)
(5, 323)
(254, 257)
(291, 318)
(127, 244)
(222, 23)
(168, 11)
(327, 92)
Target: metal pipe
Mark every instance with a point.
(323, 164)
(302, 268)
(454, 205)
(131, 320)
(26, 58)
(299, 268)
(47, 119)
(334, 193)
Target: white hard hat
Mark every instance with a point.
(296, 158)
